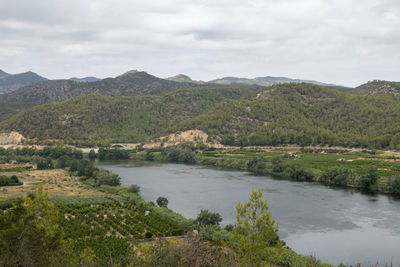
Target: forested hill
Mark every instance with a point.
(379, 87)
(293, 113)
(304, 114)
(98, 119)
(129, 84)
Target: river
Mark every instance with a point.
(334, 225)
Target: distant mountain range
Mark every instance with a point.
(85, 79)
(12, 82)
(131, 83)
(266, 81)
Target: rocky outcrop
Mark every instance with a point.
(12, 138)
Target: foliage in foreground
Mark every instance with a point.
(34, 233)
(29, 234)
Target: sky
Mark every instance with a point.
(346, 42)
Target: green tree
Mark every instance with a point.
(92, 154)
(29, 235)
(206, 217)
(256, 234)
(105, 177)
(162, 201)
(134, 189)
(370, 179)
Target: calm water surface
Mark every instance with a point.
(335, 225)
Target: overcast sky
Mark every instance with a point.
(345, 42)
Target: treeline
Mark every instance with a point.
(179, 154)
(369, 180)
(9, 181)
(65, 157)
(27, 154)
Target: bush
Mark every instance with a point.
(162, 201)
(9, 181)
(92, 154)
(105, 177)
(134, 189)
(338, 176)
(206, 217)
(215, 233)
(369, 179)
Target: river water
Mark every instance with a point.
(334, 225)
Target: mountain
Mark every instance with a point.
(303, 114)
(85, 79)
(182, 78)
(3, 74)
(98, 119)
(12, 82)
(129, 84)
(265, 81)
(291, 113)
(379, 87)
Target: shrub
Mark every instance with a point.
(105, 177)
(206, 217)
(162, 201)
(134, 189)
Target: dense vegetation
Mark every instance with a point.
(100, 119)
(9, 181)
(379, 87)
(302, 114)
(34, 232)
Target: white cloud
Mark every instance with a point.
(342, 41)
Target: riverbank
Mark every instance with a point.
(95, 213)
(367, 171)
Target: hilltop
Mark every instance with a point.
(128, 84)
(265, 81)
(12, 82)
(85, 79)
(182, 78)
(379, 87)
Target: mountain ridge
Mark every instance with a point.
(127, 84)
(12, 82)
(283, 114)
(266, 81)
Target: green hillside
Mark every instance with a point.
(302, 114)
(101, 119)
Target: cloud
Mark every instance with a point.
(342, 41)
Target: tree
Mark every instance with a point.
(255, 235)
(14, 179)
(105, 177)
(134, 189)
(206, 217)
(162, 201)
(92, 154)
(29, 235)
(368, 180)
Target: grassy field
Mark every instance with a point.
(57, 183)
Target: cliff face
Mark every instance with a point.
(12, 138)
